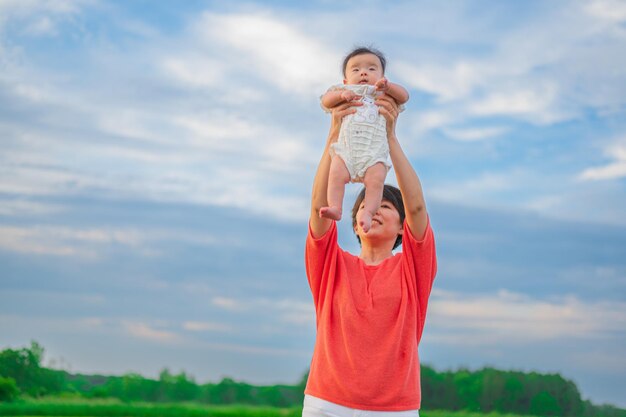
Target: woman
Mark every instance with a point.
(370, 308)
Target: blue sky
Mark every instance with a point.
(156, 161)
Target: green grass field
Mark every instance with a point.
(114, 408)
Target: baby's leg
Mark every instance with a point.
(374, 183)
(338, 177)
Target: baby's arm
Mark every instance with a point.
(336, 97)
(396, 91)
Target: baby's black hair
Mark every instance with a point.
(361, 50)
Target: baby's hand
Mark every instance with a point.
(381, 85)
(348, 95)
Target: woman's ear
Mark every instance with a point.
(345, 81)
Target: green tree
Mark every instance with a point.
(544, 404)
(469, 386)
(439, 390)
(24, 366)
(133, 387)
(8, 389)
(513, 396)
(179, 387)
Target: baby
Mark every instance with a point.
(361, 153)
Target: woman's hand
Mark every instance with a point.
(388, 107)
(337, 114)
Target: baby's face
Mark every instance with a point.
(363, 69)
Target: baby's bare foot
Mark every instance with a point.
(333, 213)
(365, 221)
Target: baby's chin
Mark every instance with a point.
(364, 83)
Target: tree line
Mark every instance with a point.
(486, 390)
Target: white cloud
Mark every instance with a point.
(608, 172)
(55, 299)
(542, 76)
(35, 93)
(611, 10)
(473, 190)
(91, 322)
(138, 126)
(613, 170)
(256, 350)
(449, 81)
(506, 317)
(275, 50)
(41, 173)
(229, 304)
(44, 180)
(224, 131)
(26, 327)
(90, 242)
(430, 119)
(536, 106)
(27, 240)
(23, 207)
(160, 153)
(599, 358)
(194, 71)
(64, 241)
(291, 311)
(204, 326)
(145, 331)
(288, 310)
(42, 26)
(474, 134)
(39, 17)
(27, 7)
(556, 195)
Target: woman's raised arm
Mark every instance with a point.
(408, 181)
(319, 199)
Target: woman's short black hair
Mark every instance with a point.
(391, 194)
(362, 50)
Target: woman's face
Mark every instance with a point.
(385, 224)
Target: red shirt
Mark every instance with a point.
(369, 322)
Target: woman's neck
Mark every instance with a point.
(373, 255)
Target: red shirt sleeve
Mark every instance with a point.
(320, 259)
(420, 259)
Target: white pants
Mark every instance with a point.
(316, 407)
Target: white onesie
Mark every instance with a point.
(363, 135)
